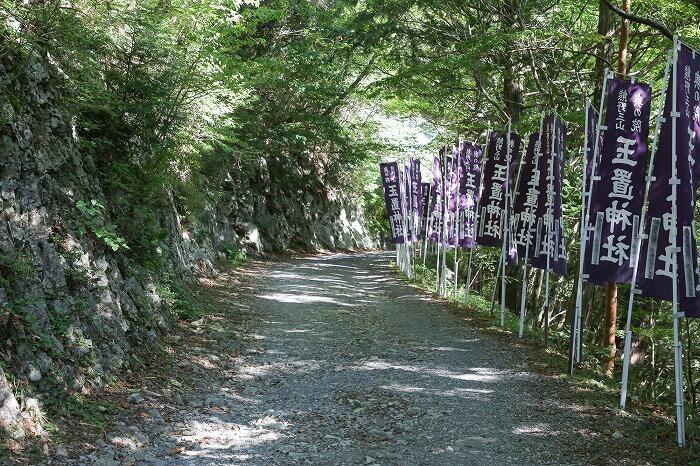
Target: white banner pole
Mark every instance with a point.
(513, 192)
(495, 287)
(550, 213)
(443, 269)
(484, 151)
(526, 259)
(635, 260)
(469, 277)
(406, 220)
(402, 188)
(585, 195)
(456, 221)
(428, 221)
(674, 181)
(438, 243)
(586, 191)
(506, 226)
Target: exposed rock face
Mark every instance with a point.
(10, 414)
(70, 309)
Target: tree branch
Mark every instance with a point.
(637, 19)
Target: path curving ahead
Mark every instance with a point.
(341, 363)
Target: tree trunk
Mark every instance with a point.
(611, 289)
(606, 28)
(513, 93)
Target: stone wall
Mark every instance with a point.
(71, 309)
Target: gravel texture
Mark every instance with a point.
(333, 360)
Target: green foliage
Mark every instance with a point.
(60, 320)
(174, 100)
(180, 300)
(182, 104)
(234, 256)
(93, 220)
(12, 269)
(61, 404)
(21, 324)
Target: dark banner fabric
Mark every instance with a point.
(436, 207)
(471, 156)
(416, 199)
(392, 199)
(497, 180)
(618, 185)
(656, 258)
(549, 232)
(527, 198)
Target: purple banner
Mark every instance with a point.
(492, 202)
(406, 201)
(471, 155)
(436, 202)
(453, 176)
(453, 182)
(527, 198)
(392, 198)
(549, 209)
(424, 207)
(618, 184)
(656, 259)
(416, 199)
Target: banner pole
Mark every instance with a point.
(586, 191)
(523, 292)
(550, 213)
(441, 236)
(469, 277)
(405, 220)
(428, 218)
(456, 264)
(409, 231)
(443, 191)
(633, 289)
(585, 195)
(495, 287)
(513, 220)
(402, 186)
(506, 226)
(438, 243)
(407, 243)
(437, 266)
(415, 231)
(446, 234)
(484, 153)
(526, 259)
(407, 223)
(574, 332)
(596, 150)
(674, 181)
(456, 222)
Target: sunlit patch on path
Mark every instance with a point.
(336, 362)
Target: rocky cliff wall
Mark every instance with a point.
(71, 308)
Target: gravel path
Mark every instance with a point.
(331, 360)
